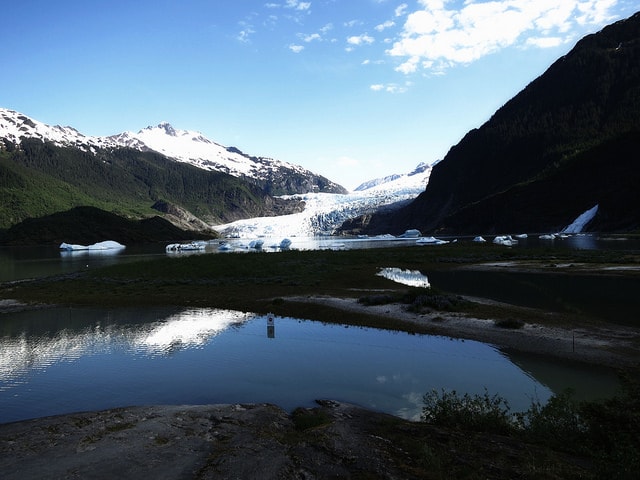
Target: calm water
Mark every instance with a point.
(64, 360)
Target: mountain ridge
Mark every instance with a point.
(191, 147)
(566, 142)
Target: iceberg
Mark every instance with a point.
(506, 240)
(185, 247)
(100, 246)
(430, 241)
(412, 233)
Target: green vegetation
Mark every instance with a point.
(87, 225)
(40, 179)
(509, 323)
(418, 300)
(266, 282)
(604, 433)
(306, 418)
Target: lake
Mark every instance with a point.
(61, 360)
(64, 360)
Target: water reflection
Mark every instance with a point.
(412, 278)
(65, 360)
(189, 329)
(30, 351)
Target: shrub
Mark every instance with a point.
(478, 412)
(558, 422)
(509, 323)
(419, 299)
(305, 418)
(381, 299)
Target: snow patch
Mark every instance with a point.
(581, 222)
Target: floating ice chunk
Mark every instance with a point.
(548, 236)
(106, 245)
(505, 240)
(479, 239)
(412, 233)
(430, 241)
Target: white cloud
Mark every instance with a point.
(326, 29)
(311, 37)
(385, 25)
(390, 87)
(401, 10)
(297, 5)
(436, 37)
(296, 48)
(363, 39)
(544, 42)
(245, 33)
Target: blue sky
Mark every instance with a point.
(351, 89)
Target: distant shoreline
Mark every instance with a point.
(610, 345)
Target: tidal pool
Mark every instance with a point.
(58, 361)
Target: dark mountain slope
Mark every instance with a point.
(88, 225)
(567, 142)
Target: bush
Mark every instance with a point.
(478, 412)
(419, 299)
(509, 323)
(381, 299)
(558, 422)
(606, 431)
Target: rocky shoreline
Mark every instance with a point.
(261, 441)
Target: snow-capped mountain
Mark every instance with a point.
(194, 148)
(415, 178)
(181, 145)
(326, 204)
(324, 213)
(15, 125)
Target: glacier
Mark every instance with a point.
(324, 213)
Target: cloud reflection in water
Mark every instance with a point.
(412, 278)
(188, 329)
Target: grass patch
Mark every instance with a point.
(305, 418)
(264, 282)
(509, 323)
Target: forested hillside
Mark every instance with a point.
(570, 140)
(38, 179)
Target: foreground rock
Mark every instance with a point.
(260, 441)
